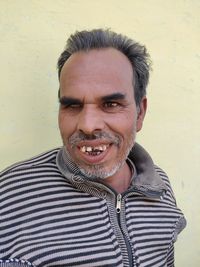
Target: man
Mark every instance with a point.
(99, 200)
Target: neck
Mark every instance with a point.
(121, 180)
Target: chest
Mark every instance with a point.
(76, 229)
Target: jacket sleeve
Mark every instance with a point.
(15, 263)
(170, 257)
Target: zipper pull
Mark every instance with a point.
(118, 204)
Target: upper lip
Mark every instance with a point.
(93, 143)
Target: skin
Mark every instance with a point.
(97, 97)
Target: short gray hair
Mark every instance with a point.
(100, 38)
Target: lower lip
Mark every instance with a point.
(90, 159)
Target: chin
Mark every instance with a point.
(96, 172)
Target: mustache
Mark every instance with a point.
(80, 136)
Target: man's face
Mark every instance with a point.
(98, 118)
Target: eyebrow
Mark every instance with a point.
(65, 100)
(115, 96)
(69, 100)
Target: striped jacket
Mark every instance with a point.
(52, 216)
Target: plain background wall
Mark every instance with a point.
(33, 34)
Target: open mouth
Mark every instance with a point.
(94, 150)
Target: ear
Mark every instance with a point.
(141, 113)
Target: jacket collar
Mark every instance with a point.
(147, 181)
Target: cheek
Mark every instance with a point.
(123, 125)
(67, 125)
(61, 123)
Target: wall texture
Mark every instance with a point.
(32, 35)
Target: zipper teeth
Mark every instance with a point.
(124, 230)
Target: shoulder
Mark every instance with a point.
(163, 175)
(166, 180)
(170, 200)
(40, 160)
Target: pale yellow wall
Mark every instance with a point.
(32, 35)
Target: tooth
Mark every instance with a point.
(83, 149)
(97, 148)
(89, 149)
(104, 147)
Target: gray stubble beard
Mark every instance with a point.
(97, 172)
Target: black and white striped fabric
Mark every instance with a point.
(51, 216)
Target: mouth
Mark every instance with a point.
(93, 153)
(94, 150)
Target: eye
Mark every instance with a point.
(111, 104)
(71, 105)
(74, 106)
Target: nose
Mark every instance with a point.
(90, 119)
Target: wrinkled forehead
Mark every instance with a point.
(104, 71)
(104, 59)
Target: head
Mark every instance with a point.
(98, 39)
(103, 78)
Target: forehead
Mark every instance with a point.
(97, 71)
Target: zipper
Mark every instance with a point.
(119, 203)
(127, 242)
(118, 208)
(150, 193)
